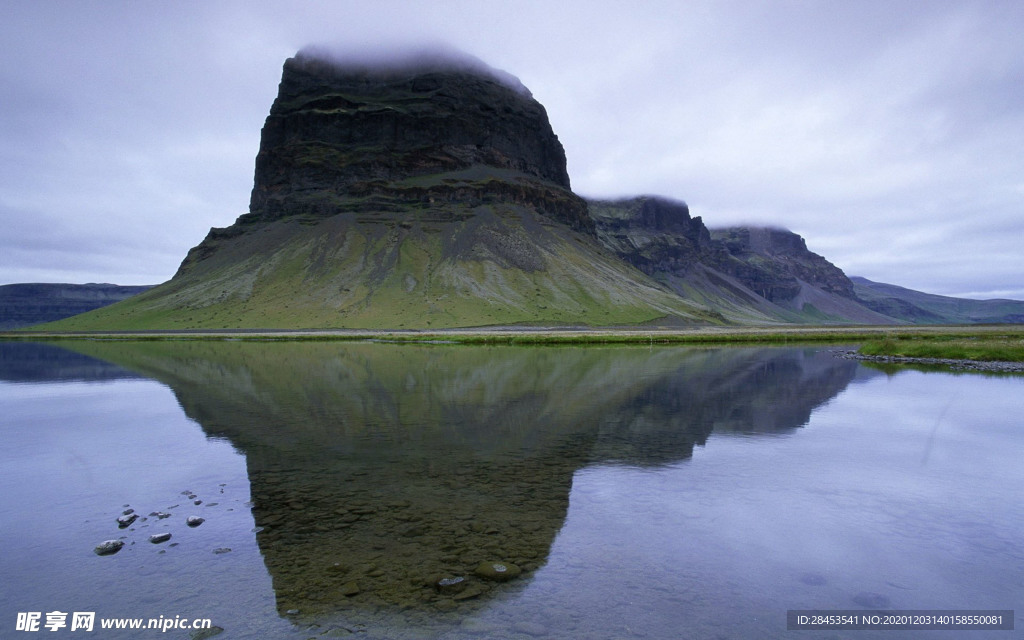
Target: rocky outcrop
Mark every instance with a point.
(390, 132)
(775, 262)
(749, 274)
(655, 235)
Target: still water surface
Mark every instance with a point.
(665, 493)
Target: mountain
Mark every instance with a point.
(757, 274)
(926, 308)
(23, 305)
(430, 191)
(422, 192)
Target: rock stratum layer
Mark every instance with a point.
(352, 128)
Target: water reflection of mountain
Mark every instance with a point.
(40, 362)
(377, 469)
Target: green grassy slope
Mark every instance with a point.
(450, 266)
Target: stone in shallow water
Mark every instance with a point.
(125, 520)
(157, 538)
(497, 571)
(350, 589)
(450, 585)
(472, 591)
(194, 521)
(871, 600)
(109, 547)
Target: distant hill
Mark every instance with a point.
(23, 305)
(926, 308)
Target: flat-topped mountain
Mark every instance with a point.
(428, 191)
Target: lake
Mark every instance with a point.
(374, 490)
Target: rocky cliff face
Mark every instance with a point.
(656, 235)
(427, 128)
(753, 274)
(774, 263)
(659, 237)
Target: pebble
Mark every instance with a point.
(157, 538)
(194, 521)
(125, 520)
(450, 585)
(350, 589)
(108, 548)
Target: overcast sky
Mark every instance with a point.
(889, 134)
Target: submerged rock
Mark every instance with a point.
(450, 585)
(350, 589)
(108, 547)
(497, 571)
(194, 521)
(157, 538)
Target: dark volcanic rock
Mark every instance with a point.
(656, 235)
(365, 130)
(773, 262)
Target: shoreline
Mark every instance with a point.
(550, 334)
(954, 364)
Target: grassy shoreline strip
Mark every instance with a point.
(990, 341)
(978, 348)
